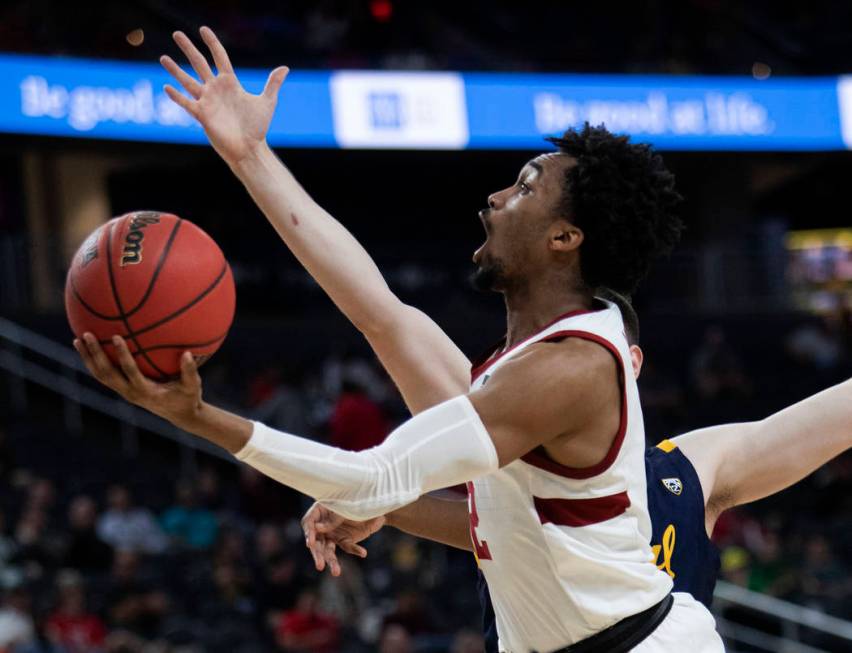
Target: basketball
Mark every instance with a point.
(158, 281)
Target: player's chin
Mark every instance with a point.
(487, 277)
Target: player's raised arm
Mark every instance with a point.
(423, 362)
(739, 463)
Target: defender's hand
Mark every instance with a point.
(177, 401)
(235, 121)
(325, 530)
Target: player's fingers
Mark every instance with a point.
(353, 549)
(323, 526)
(190, 379)
(196, 59)
(274, 81)
(85, 355)
(102, 367)
(330, 555)
(316, 553)
(127, 363)
(181, 100)
(220, 55)
(189, 83)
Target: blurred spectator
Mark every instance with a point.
(816, 344)
(85, 549)
(736, 565)
(412, 614)
(41, 495)
(71, 624)
(231, 548)
(209, 487)
(126, 527)
(187, 523)
(305, 628)
(278, 583)
(716, 369)
(357, 422)
(37, 550)
(269, 542)
(770, 572)
(16, 621)
(824, 581)
(227, 611)
(263, 500)
(395, 639)
(467, 641)
(132, 603)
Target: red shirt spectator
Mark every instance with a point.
(71, 625)
(357, 422)
(307, 630)
(82, 632)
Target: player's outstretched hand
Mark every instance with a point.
(177, 401)
(235, 121)
(325, 530)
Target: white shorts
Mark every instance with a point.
(688, 626)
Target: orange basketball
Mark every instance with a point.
(158, 281)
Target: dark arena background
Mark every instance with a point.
(119, 533)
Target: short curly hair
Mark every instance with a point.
(623, 198)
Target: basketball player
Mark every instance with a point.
(691, 479)
(550, 437)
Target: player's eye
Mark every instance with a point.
(524, 187)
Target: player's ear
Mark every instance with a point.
(562, 236)
(637, 357)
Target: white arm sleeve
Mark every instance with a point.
(443, 446)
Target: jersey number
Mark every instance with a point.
(480, 548)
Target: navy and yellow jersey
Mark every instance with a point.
(679, 535)
(678, 538)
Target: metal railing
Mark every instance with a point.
(30, 357)
(795, 622)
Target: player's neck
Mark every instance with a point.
(530, 309)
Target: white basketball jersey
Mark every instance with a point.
(565, 550)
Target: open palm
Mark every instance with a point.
(235, 121)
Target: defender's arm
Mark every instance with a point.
(445, 521)
(739, 463)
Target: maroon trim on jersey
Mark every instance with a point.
(491, 356)
(581, 512)
(538, 457)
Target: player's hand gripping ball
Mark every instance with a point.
(158, 281)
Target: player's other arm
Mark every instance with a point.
(739, 463)
(441, 520)
(549, 391)
(423, 362)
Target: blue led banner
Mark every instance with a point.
(125, 101)
(418, 110)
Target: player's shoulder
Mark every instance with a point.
(548, 365)
(583, 354)
(666, 464)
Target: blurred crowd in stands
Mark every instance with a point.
(104, 552)
(690, 36)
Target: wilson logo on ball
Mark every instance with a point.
(132, 250)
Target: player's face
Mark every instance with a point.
(517, 223)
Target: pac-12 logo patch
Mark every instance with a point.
(673, 485)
